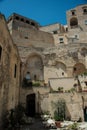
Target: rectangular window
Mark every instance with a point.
(55, 32)
(85, 22)
(61, 40)
(85, 10)
(0, 52)
(73, 12)
(15, 71)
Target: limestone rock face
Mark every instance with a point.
(54, 56)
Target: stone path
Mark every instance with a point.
(37, 125)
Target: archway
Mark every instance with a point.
(30, 105)
(61, 67)
(34, 65)
(78, 69)
(73, 22)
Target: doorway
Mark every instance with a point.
(30, 105)
(85, 114)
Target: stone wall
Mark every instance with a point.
(77, 33)
(74, 104)
(9, 82)
(31, 37)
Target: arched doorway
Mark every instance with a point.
(30, 105)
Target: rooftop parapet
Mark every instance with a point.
(24, 20)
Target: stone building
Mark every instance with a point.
(9, 70)
(37, 62)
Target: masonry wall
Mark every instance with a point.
(77, 33)
(8, 58)
(23, 36)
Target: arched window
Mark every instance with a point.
(73, 22)
(0, 52)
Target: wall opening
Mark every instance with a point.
(73, 22)
(78, 69)
(0, 52)
(30, 105)
(35, 66)
(15, 71)
(85, 114)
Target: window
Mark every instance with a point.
(73, 22)
(28, 76)
(26, 37)
(15, 71)
(74, 69)
(76, 36)
(22, 19)
(54, 32)
(0, 52)
(35, 77)
(17, 18)
(66, 29)
(85, 22)
(85, 10)
(73, 12)
(33, 24)
(61, 40)
(62, 73)
(27, 22)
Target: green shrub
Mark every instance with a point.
(13, 118)
(58, 117)
(36, 84)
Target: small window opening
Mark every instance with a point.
(73, 12)
(26, 37)
(74, 69)
(66, 29)
(62, 73)
(27, 22)
(61, 40)
(17, 18)
(0, 52)
(55, 32)
(22, 19)
(85, 11)
(15, 71)
(33, 24)
(35, 77)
